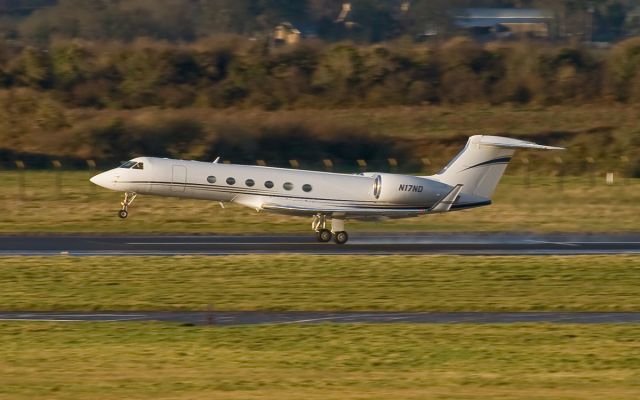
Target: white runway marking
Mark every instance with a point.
(571, 244)
(74, 317)
(342, 317)
(605, 243)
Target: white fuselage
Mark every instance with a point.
(296, 192)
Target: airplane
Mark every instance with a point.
(468, 181)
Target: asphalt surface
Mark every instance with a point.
(280, 318)
(360, 243)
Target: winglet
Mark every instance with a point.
(445, 203)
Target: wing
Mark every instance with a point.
(369, 212)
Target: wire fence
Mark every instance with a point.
(556, 165)
(558, 169)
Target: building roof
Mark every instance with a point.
(485, 17)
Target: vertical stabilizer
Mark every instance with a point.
(482, 162)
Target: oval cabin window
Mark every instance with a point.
(288, 186)
(231, 181)
(249, 182)
(268, 184)
(211, 179)
(307, 188)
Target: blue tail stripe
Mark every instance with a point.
(501, 160)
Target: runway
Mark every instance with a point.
(225, 318)
(360, 243)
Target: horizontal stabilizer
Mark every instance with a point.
(445, 203)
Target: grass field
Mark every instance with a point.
(303, 282)
(161, 361)
(79, 206)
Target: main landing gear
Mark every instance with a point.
(319, 225)
(126, 203)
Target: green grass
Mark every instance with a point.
(304, 282)
(161, 361)
(83, 207)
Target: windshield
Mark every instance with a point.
(128, 164)
(133, 165)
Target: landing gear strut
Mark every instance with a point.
(340, 236)
(319, 225)
(337, 232)
(126, 203)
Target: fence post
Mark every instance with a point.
(328, 164)
(57, 165)
(558, 161)
(21, 180)
(362, 164)
(393, 164)
(426, 163)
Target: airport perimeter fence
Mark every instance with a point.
(556, 169)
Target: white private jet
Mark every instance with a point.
(468, 181)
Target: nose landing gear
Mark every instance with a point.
(126, 203)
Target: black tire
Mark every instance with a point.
(341, 237)
(324, 235)
(123, 214)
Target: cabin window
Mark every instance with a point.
(268, 184)
(288, 186)
(138, 166)
(231, 181)
(249, 182)
(128, 164)
(211, 179)
(307, 188)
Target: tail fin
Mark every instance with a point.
(480, 165)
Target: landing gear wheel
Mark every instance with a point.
(323, 235)
(341, 237)
(123, 214)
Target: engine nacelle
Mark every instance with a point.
(403, 189)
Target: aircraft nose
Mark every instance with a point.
(104, 179)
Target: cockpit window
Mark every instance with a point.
(128, 164)
(133, 165)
